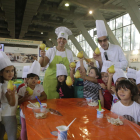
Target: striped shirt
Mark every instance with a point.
(91, 90)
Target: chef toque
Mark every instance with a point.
(4, 61)
(131, 73)
(61, 70)
(106, 65)
(35, 68)
(63, 32)
(119, 73)
(78, 65)
(25, 71)
(138, 77)
(101, 29)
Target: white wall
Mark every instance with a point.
(133, 58)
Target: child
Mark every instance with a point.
(91, 89)
(137, 97)
(9, 99)
(117, 76)
(24, 76)
(63, 90)
(126, 106)
(32, 79)
(103, 83)
(131, 74)
(78, 82)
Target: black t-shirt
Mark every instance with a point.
(65, 91)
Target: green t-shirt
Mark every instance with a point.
(78, 88)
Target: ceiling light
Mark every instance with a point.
(67, 4)
(90, 12)
(50, 39)
(42, 33)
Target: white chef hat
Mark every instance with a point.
(106, 65)
(61, 70)
(25, 71)
(138, 77)
(119, 73)
(78, 65)
(131, 73)
(101, 29)
(35, 68)
(4, 61)
(63, 32)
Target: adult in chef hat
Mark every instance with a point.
(119, 75)
(131, 74)
(24, 76)
(108, 51)
(57, 55)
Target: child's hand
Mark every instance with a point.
(26, 96)
(72, 69)
(113, 88)
(102, 85)
(11, 92)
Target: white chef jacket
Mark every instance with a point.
(0, 100)
(115, 55)
(7, 110)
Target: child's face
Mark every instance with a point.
(131, 79)
(124, 94)
(32, 80)
(92, 73)
(118, 80)
(105, 77)
(138, 87)
(79, 69)
(8, 73)
(61, 78)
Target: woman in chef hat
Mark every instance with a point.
(9, 99)
(56, 55)
(63, 89)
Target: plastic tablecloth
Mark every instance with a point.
(85, 127)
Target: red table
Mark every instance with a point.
(85, 126)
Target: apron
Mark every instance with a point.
(50, 79)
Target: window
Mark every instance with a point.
(126, 20)
(119, 22)
(135, 37)
(119, 35)
(112, 24)
(126, 38)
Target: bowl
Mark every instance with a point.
(39, 113)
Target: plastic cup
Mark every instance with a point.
(43, 107)
(100, 114)
(89, 100)
(62, 132)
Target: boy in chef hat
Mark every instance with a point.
(131, 74)
(63, 89)
(24, 76)
(32, 79)
(78, 82)
(9, 98)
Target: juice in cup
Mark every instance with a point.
(62, 132)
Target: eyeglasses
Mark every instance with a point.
(104, 40)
